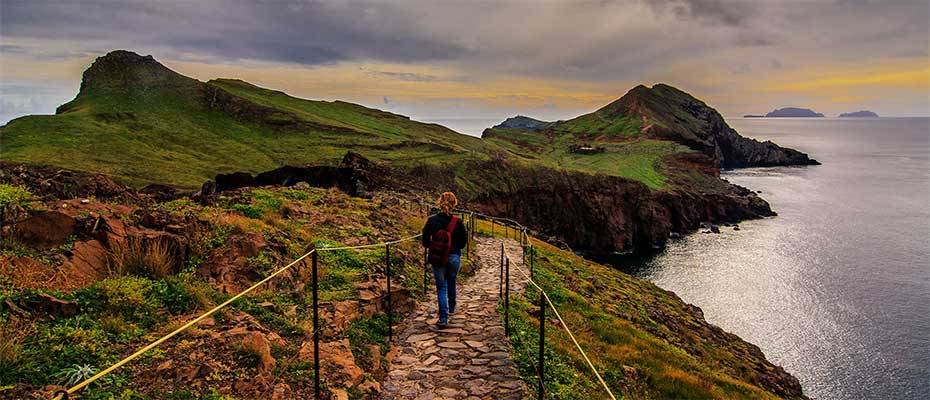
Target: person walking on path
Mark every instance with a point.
(444, 236)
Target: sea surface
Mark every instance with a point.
(836, 288)
(468, 126)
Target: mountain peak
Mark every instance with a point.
(125, 73)
(124, 70)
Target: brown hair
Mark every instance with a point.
(447, 201)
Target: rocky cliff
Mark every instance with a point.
(605, 214)
(672, 114)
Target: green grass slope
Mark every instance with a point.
(142, 123)
(645, 342)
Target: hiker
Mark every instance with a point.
(444, 237)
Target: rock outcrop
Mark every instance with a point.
(355, 175)
(604, 214)
(675, 115)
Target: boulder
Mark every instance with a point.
(337, 363)
(46, 230)
(50, 305)
(88, 261)
(233, 181)
(257, 343)
(227, 267)
(371, 388)
(160, 192)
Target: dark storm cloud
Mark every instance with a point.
(584, 40)
(300, 32)
(731, 13)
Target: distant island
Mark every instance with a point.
(753, 116)
(793, 112)
(859, 114)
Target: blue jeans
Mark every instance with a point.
(445, 285)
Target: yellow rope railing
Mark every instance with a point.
(74, 389)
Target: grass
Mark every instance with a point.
(132, 256)
(176, 138)
(600, 123)
(143, 300)
(175, 135)
(609, 313)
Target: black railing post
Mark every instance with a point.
(387, 263)
(532, 262)
(542, 342)
(507, 300)
(500, 283)
(467, 230)
(316, 327)
(425, 269)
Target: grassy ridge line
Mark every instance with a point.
(143, 123)
(168, 134)
(607, 310)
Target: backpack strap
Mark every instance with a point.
(451, 227)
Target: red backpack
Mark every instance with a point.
(440, 244)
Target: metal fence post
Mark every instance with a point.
(507, 301)
(532, 262)
(467, 229)
(542, 342)
(500, 283)
(425, 269)
(390, 316)
(316, 328)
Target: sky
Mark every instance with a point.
(438, 59)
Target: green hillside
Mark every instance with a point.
(141, 123)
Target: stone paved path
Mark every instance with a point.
(470, 359)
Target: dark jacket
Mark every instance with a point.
(441, 221)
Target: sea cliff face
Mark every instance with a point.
(603, 214)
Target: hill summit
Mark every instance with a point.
(125, 73)
(667, 113)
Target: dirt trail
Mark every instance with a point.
(471, 358)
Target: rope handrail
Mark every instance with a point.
(570, 334)
(64, 393)
(554, 309)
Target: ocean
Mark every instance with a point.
(836, 288)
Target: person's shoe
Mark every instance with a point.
(451, 310)
(442, 324)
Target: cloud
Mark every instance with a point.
(714, 47)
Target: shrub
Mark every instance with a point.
(127, 296)
(175, 295)
(248, 210)
(12, 334)
(75, 374)
(262, 201)
(132, 256)
(295, 194)
(11, 195)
